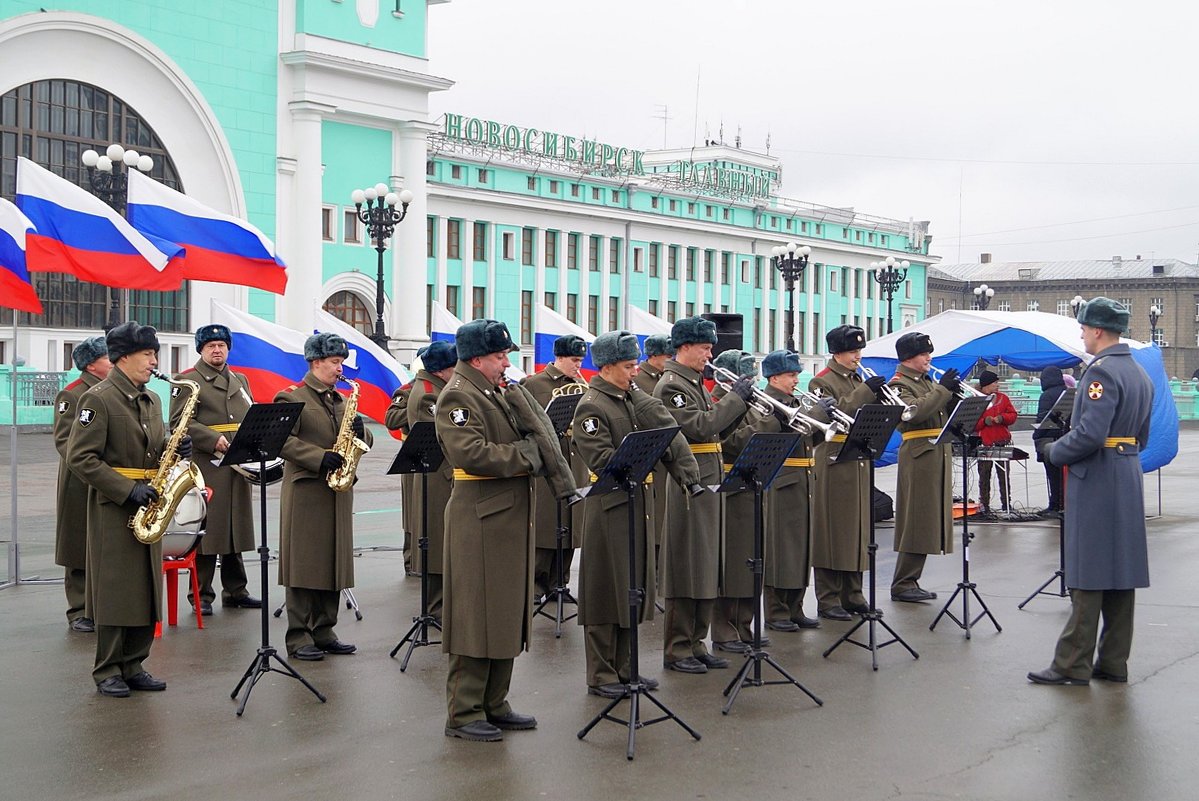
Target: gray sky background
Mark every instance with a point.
(1056, 129)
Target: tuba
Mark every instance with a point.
(347, 446)
(175, 477)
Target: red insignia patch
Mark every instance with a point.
(1095, 390)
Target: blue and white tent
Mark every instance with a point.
(1028, 341)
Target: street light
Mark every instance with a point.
(982, 296)
(889, 278)
(1155, 314)
(791, 260)
(1076, 303)
(110, 183)
(380, 218)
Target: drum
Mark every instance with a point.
(187, 526)
(274, 471)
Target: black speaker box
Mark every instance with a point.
(729, 332)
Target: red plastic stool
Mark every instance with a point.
(170, 571)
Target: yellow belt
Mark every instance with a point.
(799, 462)
(1112, 442)
(705, 447)
(224, 428)
(136, 472)
(837, 438)
(649, 478)
(930, 433)
(462, 475)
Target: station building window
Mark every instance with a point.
(351, 310)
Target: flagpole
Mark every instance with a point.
(14, 550)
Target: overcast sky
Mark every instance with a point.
(1053, 129)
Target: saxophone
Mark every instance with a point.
(175, 477)
(347, 446)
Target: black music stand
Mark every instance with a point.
(420, 453)
(625, 471)
(260, 437)
(754, 470)
(561, 411)
(960, 427)
(867, 438)
(1057, 418)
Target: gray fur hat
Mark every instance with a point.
(325, 345)
(129, 338)
(658, 345)
(570, 345)
(781, 361)
(740, 362)
(440, 355)
(691, 330)
(1104, 313)
(481, 337)
(213, 333)
(614, 346)
(88, 351)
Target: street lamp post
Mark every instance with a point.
(889, 278)
(1155, 314)
(110, 183)
(1076, 303)
(791, 260)
(380, 218)
(982, 296)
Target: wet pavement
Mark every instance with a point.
(959, 722)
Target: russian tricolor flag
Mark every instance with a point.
(271, 356)
(377, 372)
(444, 327)
(218, 247)
(550, 326)
(644, 325)
(77, 233)
(16, 291)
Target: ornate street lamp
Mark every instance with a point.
(1076, 303)
(889, 278)
(982, 296)
(380, 218)
(791, 260)
(1155, 314)
(109, 182)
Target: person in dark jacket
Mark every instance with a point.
(1052, 387)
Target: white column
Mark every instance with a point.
(851, 273)
(408, 252)
(494, 242)
(601, 311)
(560, 255)
(700, 287)
(303, 243)
(441, 230)
(538, 276)
(809, 323)
(467, 292)
(717, 285)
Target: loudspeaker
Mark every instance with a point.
(729, 334)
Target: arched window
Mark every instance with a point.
(52, 122)
(349, 308)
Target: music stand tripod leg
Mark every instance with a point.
(560, 594)
(418, 634)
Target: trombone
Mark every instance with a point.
(964, 389)
(890, 396)
(796, 419)
(811, 400)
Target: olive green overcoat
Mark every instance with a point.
(787, 547)
(396, 419)
(70, 530)
(119, 424)
(422, 408)
(316, 524)
(924, 487)
(541, 386)
(646, 379)
(224, 401)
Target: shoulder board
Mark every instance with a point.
(428, 385)
(292, 388)
(407, 387)
(188, 370)
(823, 372)
(78, 382)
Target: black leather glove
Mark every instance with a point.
(876, 384)
(142, 494)
(828, 405)
(949, 380)
(695, 490)
(743, 387)
(330, 462)
(185, 448)
(357, 426)
(572, 497)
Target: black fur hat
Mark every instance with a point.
(570, 345)
(481, 337)
(1104, 313)
(325, 345)
(781, 361)
(129, 338)
(213, 333)
(658, 345)
(912, 344)
(741, 362)
(845, 337)
(439, 356)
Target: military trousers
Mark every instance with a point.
(608, 655)
(74, 583)
(1075, 652)
(1003, 473)
(476, 688)
(733, 619)
(783, 604)
(835, 588)
(120, 650)
(311, 616)
(685, 626)
(908, 569)
(233, 577)
(545, 567)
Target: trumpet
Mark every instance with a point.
(964, 389)
(796, 419)
(890, 396)
(810, 400)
